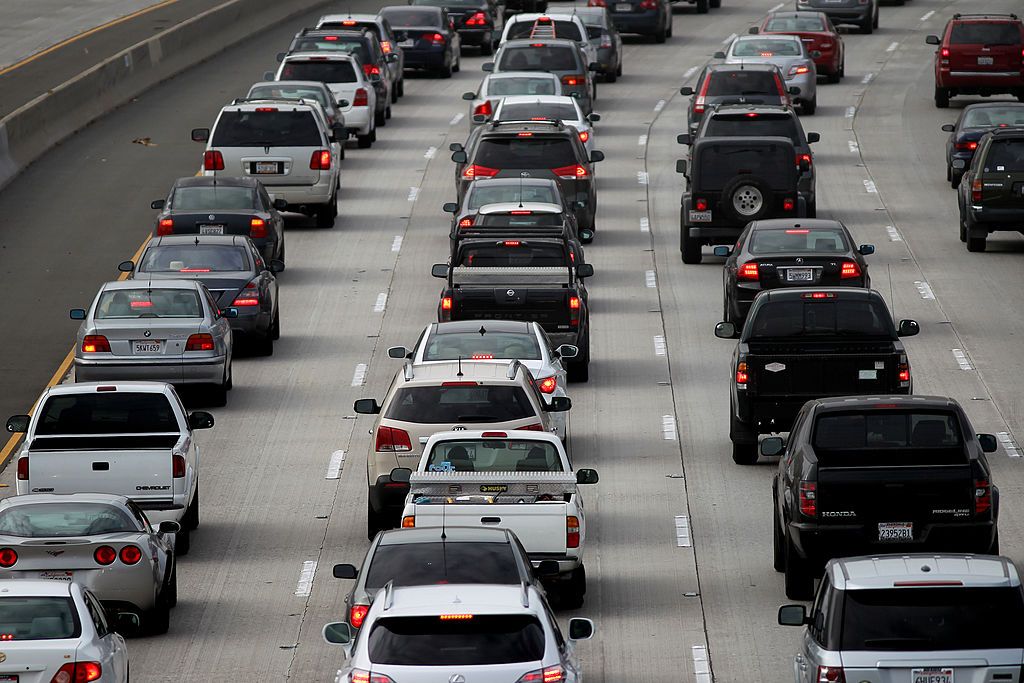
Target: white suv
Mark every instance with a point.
(283, 143)
(571, 26)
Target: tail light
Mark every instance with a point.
(475, 171)
(572, 531)
(104, 555)
(485, 109)
(200, 342)
(178, 466)
(700, 204)
(321, 160)
(832, 674)
(446, 309)
(357, 614)
(976, 190)
(904, 371)
(944, 52)
(409, 522)
(548, 385)
(982, 496)
(809, 508)
(535, 427)
(748, 271)
(371, 69)
(362, 99)
(79, 672)
(798, 69)
(8, 556)
(574, 171)
(466, 223)
(250, 296)
(966, 146)
(698, 104)
(596, 3)
(573, 79)
(649, 4)
(584, 136)
(804, 157)
(788, 204)
(477, 19)
(213, 160)
(95, 343)
(574, 310)
(436, 39)
(606, 40)
(551, 674)
(392, 440)
(257, 228)
(741, 375)
(165, 227)
(783, 93)
(23, 468)
(849, 269)
(360, 676)
(131, 554)
(385, 45)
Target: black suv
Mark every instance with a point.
(735, 84)
(540, 149)
(991, 194)
(732, 181)
(731, 120)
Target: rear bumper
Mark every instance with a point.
(425, 59)
(132, 586)
(991, 220)
(566, 563)
(771, 416)
(977, 82)
(475, 36)
(252, 322)
(358, 120)
(200, 371)
(297, 195)
(644, 22)
(842, 15)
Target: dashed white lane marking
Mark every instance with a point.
(732, 37)
(668, 427)
(651, 279)
(429, 154)
(927, 15)
(777, 7)
(689, 72)
(851, 112)
(892, 47)
(659, 105)
(659, 345)
(413, 193)
(335, 465)
(642, 177)
(683, 539)
(869, 187)
(961, 359)
(455, 119)
(305, 584)
(701, 665)
(1009, 445)
(854, 147)
(381, 303)
(641, 141)
(867, 78)
(925, 289)
(396, 244)
(359, 376)
(894, 235)
(645, 224)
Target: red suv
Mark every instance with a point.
(979, 54)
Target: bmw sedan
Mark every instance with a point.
(786, 52)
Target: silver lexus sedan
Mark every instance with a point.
(786, 52)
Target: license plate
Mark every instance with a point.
(942, 675)
(211, 229)
(623, 7)
(55, 576)
(799, 275)
(493, 488)
(895, 531)
(700, 216)
(8, 678)
(146, 347)
(985, 61)
(266, 167)
(407, 43)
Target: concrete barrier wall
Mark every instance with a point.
(27, 133)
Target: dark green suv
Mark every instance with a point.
(992, 190)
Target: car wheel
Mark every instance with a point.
(374, 522)
(380, 117)
(275, 327)
(868, 26)
(941, 98)
(714, 4)
(580, 371)
(963, 228)
(874, 24)
(218, 393)
(812, 208)
(975, 244)
(746, 198)
(660, 35)
(373, 134)
(401, 87)
(618, 71)
(325, 214)
(571, 592)
(157, 621)
(668, 31)
(190, 520)
(610, 77)
(949, 173)
(689, 247)
(264, 344)
(842, 67)
(808, 108)
(702, 6)
(457, 66)
(954, 180)
(170, 591)
(487, 45)
(799, 581)
(365, 141)
(394, 93)
(832, 77)
(445, 71)
(778, 540)
(387, 112)
(744, 453)
(182, 542)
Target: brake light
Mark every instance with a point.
(511, 243)
(266, 109)
(436, 39)
(551, 674)
(466, 223)
(584, 136)
(572, 531)
(649, 4)
(535, 427)
(362, 99)
(570, 172)
(572, 79)
(104, 555)
(700, 204)
(360, 676)
(475, 171)
(79, 672)
(809, 504)
(8, 556)
(386, 46)
(482, 356)
(356, 615)
(796, 70)
(213, 160)
(348, 22)
(459, 384)
(782, 90)
(131, 554)
(249, 296)
(200, 342)
(804, 157)
(257, 228)
(371, 69)
(966, 146)
(818, 295)
(95, 343)
(524, 134)
(741, 375)
(849, 269)
(831, 674)
(982, 496)
(548, 385)
(320, 160)
(178, 466)
(976, 190)
(165, 226)
(23, 468)
(409, 522)
(798, 231)
(596, 3)
(477, 19)
(521, 212)
(748, 271)
(446, 303)
(574, 309)
(392, 440)
(944, 52)
(485, 109)
(788, 204)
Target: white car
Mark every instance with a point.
(561, 108)
(496, 86)
(56, 632)
(550, 25)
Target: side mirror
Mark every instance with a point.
(947, 127)
(126, 266)
(456, 147)
(718, 55)
(126, 623)
(276, 266)
(469, 96)
(725, 330)
(488, 66)
(866, 249)
(230, 313)
(596, 156)
(547, 569)
(683, 138)
(753, 30)
(681, 166)
(722, 251)
(567, 351)
(959, 164)
(200, 134)
(593, 66)
(479, 118)
(686, 91)
(366, 406)
(459, 157)
(792, 615)
(932, 40)
(586, 476)
(988, 443)
(269, 76)
(813, 137)
(157, 204)
(439, 270)
(280, 57)
(585, 270)
(593, 117)
(793, 90)
(281, 204)
(344, 104)
(907, 328)
(337, 633)
(78, 314)
(559, 404)
(168, 526)
(804, 165)
(814, 54)
(398, 352)
(345, 571)
(401, 475)
(586, 235)
(450, 207)
(581, 629)
(200, 419)
(773, 445)
(18, 423)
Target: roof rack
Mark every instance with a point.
(389, 595)
(543, 27)
(526, 122)
(407, 370)
(307, 31)
(496, 233)
(253, 100)
(980, 15)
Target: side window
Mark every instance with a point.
(265, 198)
(819, 611)
(257, 259)
(98, 615)
(139, 515)
(559, 640)
(214, 308)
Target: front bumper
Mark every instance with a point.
(208, 370)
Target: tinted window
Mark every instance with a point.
(353, 24)
(399, 17)
(336, 71)
(543, 58)
(195, 258)
(754, 126)
(828, 317)
(469, 404)
(494, 455)
(120, 412)
(431, 641)
(1005, 155)
(754, 47)
(480, 194)
(894, 437)
(351, 45)
(563, 29)
(38, 618)
(41, 520)
(532, 220)
(423, 564)
(289, 93)
(935, 618)
(725, 83)
(539, 152)
(797, 240)
(719, 164)
(786, 24)
(985, 33)
(538, 110)
(994, 116)
(521, 85)
(501, 345)
(518, 256)
(270, 128)
(214, 198)
(148, 303)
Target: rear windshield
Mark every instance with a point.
(521, 85)
(434, 642)
(399, 17)
(746, 83)
(754, 47)
(826, 318)
(353, 24)
(425, 564)
(327, 71)
(148, 303)
(49, 520)
(450, 3)
(334, 44)
(480, 194)
(985, 33)
(538, 110)
(532, 220)
(517, 255)
(289, 92)
(195, 258)
(539, 152)
(933, 618)
(38, 618)
(986, 117)
(269, 128)
(540, 58)
(109, 412)
(494, 455)
(785, 24)
(892, 437)
(773, 163)
(1005, 155)
(755, 125)
(468, 404)
(487, 346)
(564, 28)
(798, 240)
(214, 198)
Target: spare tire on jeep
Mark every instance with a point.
(746, 198)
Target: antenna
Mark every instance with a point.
(459, 373)
(522, 174)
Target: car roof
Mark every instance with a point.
(150, 283)
(287, 105)
(922, 570)
(458, 599)
(453, 534)
(35, 498)
(211, 181)
(220, 240)
(464, 326)
(354, 17)
(139, 387)
(885, 402)
(24, 588)
(430, 374)
(964, 17)
(506, 207)
(554, 42)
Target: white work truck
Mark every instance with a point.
(127, 438)
(517, 479)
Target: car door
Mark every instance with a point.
(113, 654)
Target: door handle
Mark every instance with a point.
(490, 520)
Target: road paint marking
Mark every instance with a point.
(925, 289)
(869, 187)
(854, 147)
(305, 584)
(867, 78)
(455, 119)
(645, 224)
(851, 112)
(777, 7)
(689, 72)
(429, 154)
(892, 47)
(961, 359)
(359, 376)
(659, 345)
(701, 665)
(1009, 445)
(413, 193)
(641, 141)
(732, 37)
(927, 15)
(335, 465)
(668, 427)
(659, 105)
(396, 244)
(381, 303)
(683, 539)
(651, 279)
(894, 235)
(642, 177)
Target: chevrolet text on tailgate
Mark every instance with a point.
(517, 480)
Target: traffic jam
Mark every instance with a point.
(884, 512)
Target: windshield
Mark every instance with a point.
(289, 92)
(753, 125)
(471, 641)
(51, 520)
(195, 258)
(334, 44)
(521, 85)
(1005, 155)
(214, 198)
(468, 404)
(327, 71)
(743, 83)
(538, 111)
(38, 618)
(985, 33)
(892, 437)
(486, 346)
(425, 564)
(986, 117)
(148, 303)
(754, 47)
(120, 412)
(401, 17)
(798, 240)
(481, 194)
(786, 24)
(525, 152)
(822, 317)
(270, 128)
(540, 58)
(564, 28)
(494, 455)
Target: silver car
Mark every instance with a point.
(496, 86)
(103, 543)
(916, 618)
(160, 330)
(786, 52)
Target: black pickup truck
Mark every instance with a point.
(804, 343)
(879, 474)
(521, 277)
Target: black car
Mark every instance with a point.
(606, 38)
(991, 194)
(205, 205)
(429, 40)
(479, 22)
(232, 269)
(879, 474)
(974, 121)
(785, 253)
(735, 84)
(646, 17)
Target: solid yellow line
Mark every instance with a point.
(86, 34)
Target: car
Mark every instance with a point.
(286, 145)
(478, 632)
(223, 205)
(233, 271)
(58, 631)
(817, 33)
(109, 548)
(861, 13)
(486, 191)
(302, 90)
(514, 220)
(430, 41)
(495, 86)
(605, 39)
(381, 27)
(991, 193)
(478, 22)
(979, 54)
(435, 397)
(701, 6)
(787, 253)
(344, 75)
(913, 617)
(795, 62)
(645, 17)
(158, 330)
(974, 121)
(734, 84)
(565, 25)
(562, 57)
(554, 107)
(434, 555)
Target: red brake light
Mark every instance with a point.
(459, 384)
(386, 46)
(982, 496)
(477, 19)
(495, 435)
(360, 676)
(200, 342)
(249, 296)
(524, 134)
(570, 172)
(330, 38)
(486, 109)
(649, 4)
(178, 466)
(392, 440)
(213, 160)
(165, 226)
(572, 79)
(818, 295)
(23, 468)
(361, 99)
(804, 157)
(130, 554)
(966, 146)
(8, 556)
(788, 204)
(809, 506)
(584, 136)
(320, 160)
(574, 302)
(535, 427)
(518, 212)
(572, 531)
(95, 343)
(797, 70)
(945, 52)
(548, 385)
(79, 672)
(475, 171)
(798, 231)
(482, 356)
(371, 69)
(446, 303)
(511, 243)
(700, 204)
(698, 104)
(552, 674)
(849, 269)
(574, 310)
(257, 228)
(741, 375)
(104, 555)
(831, 674)
(356, 615)
(348, 22)
(466, 223)
(976, 190)
(266, 109)
(748, 271)
(437, 39)
(904, 372)
(596, 3)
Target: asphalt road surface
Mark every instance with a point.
(679, 558)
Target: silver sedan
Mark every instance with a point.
(786, 52)
(496, 86)
(104, 543)
(158, 330)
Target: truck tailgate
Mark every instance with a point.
(540, 526)
(834, 370)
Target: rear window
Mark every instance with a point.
(826, 318)
(538, 110)
(334, 44)
(932, 618)
(754, 47)
(268, 128)
(435, 642)
(401, 17)
(745, 83)
(785, 24)
(797, 240)
(288, 93)
(38, 618)
(195, 258)
(754, 125)
(530, 220)
(214, 198)
(426, 564)
(121, 412)
(494, 455)
(515, 255)
(327, 71)
(893, 437)
(521, 85)
(50, 520)
(540, 58)
(451, 3)
(476, 346)
(985, 33)
(563, 29)
(467, 404)
(353, 24)
(985, 117)
(1005, 155)
(535, 152)
(148, 303)
(481, 194)
(718, 164)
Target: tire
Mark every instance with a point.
(808, 108)
(744, 453)
(660, 35)
(394, 93)
(842, 67)
(182, 542)
(778, 540)
(380, 118)
(157, 621)
(445, 71)
(580, 371)
(618, 72)
(868, 27)
(799, 581)
(190, 521)
(746, 198)
(874, 23)
(994, 548)
(326, 213)
(401, 87)
(263, 345)
(702, 6)
(373, 134)
(610, 77)
(374, 522)
(689, 247)
(387, 112)
(963, 228)
(949, 173)
(170, 591)
(954, 180)
(941, 98)
(275, 326)
(217, 395)
(487, 46)
(975, 244)
(832, 77)
(714, 4)
(812, 209)
(365, 141)
(571, 592)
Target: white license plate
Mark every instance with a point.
(985, 61)
(623, 7)
(211, 229)
(799, 275)
(407, 43)
(937, 675)
(895, 531)
(700, 216)
(146, 347)
(55, 576)
(266, 166)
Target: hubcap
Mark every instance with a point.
(747, 200)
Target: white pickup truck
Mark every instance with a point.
(128, 438)
(519, 480)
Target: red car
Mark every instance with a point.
(817, 33)
(979, 54)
